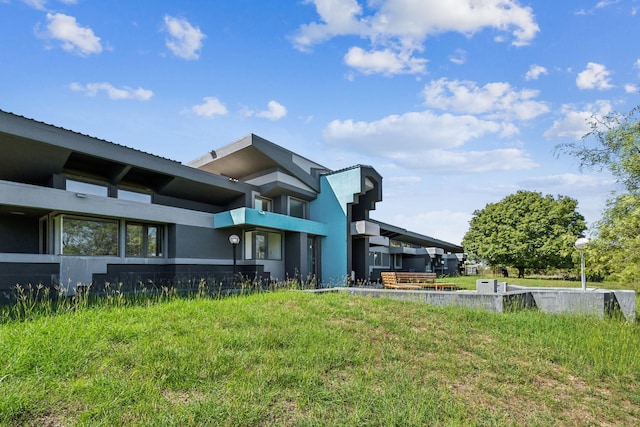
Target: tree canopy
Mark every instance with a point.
(526, 230)
(614, 144)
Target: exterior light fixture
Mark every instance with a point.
(234, 240)
(581, 244)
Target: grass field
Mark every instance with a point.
(290, 358)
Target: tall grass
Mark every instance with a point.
(290, 358)
(30, 302)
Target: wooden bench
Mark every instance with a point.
(414, 280)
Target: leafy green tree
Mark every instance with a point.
(614, 144)
(526, 230)
(615, 250)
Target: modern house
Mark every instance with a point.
(77, 210)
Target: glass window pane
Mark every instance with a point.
(261, 246)
(87, 188)
(262, 204)
(385, 260)
(134, 196)
(153, 241)
(134, 240)
(144, 240)
(275, 249)
(297, 208)
(89, 237)
(248, 246)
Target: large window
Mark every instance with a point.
(85, 236)
(297, 208)
(263, 245)
(144, 240)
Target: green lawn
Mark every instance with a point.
(290, 358)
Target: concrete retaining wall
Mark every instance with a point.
(599, 303)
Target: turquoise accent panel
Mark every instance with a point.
(337, 190)
(246, 216)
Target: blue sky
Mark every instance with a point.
(456, 103)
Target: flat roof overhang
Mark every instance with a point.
(397, 233)
(34, 151)
(252, 217)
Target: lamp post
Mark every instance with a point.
(580, 245)
(234, 240)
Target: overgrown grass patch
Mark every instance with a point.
(289, 358)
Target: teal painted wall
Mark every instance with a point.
(330, 207)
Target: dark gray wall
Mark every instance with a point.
(28, 276)
(360, 259)
(415, 263)
(185, 204)
(201, 243)
(295, 255)
(148, 277)
(19, 234)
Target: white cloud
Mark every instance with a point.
(459, 161)
(595, 76)
(416, 20)
(211, 107)
(339, 18)
(274, 111)
(186, 40)
(426, 141)
(605, 3)
(92, 89)
(397, 29)
(496, 99)
(459, 57)
(385, 62)
(636, 64)
(36, 4)
(402, 181)
(41, 4)
(535, 71)
(631, 88)
(419, 130)
(576, 123)
(74, 38)
(446, 225)
(568, 180)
